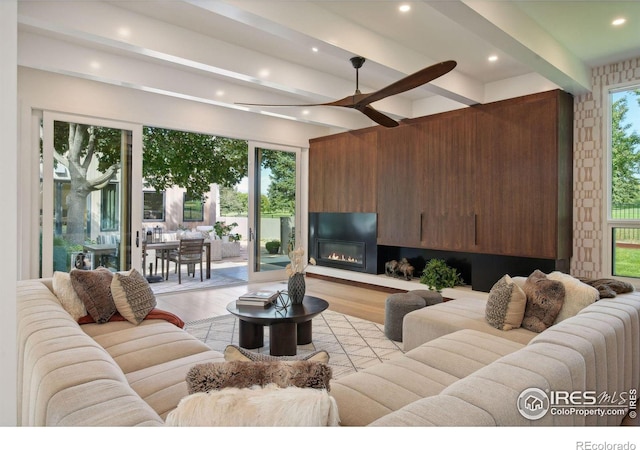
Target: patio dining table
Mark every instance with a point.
(165, 247)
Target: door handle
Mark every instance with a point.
(137, 239)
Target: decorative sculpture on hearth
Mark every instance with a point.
(390, 268)
(405, 269)
(397, 269)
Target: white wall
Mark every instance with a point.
(8, 226)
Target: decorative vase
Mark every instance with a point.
(296, 288)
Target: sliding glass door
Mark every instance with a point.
(89, 169)
(274, 209)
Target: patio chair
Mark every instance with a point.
(190, 252)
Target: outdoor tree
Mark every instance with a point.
(233, 202)
(282, 189)
(192, 161)
(76, 146)
(625, 155)
(170, 158)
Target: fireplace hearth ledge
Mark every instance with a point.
(394, 283)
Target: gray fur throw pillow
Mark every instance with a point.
(545, 298)
(243, 374)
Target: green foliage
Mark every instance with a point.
(282, 189)
(272, 246)
(625, 155)
(437, 275)
(191, 160)
(233, 203)
(222, 229)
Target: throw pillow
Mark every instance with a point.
(63, 289)
(132, 295)
(235, 353)
(578, 295)
(505, 305)
(269, 406)
(544, 301)
(94, 290)
(243, 374)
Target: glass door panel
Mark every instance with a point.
(273, 212)
(86, 205)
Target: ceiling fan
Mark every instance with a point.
(361, 102)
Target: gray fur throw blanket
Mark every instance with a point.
(607, 287)
(243, 374)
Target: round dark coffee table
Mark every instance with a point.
(288, 327)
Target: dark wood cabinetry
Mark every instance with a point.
(342, 172)
(448, 183)
(492, 179)
(523, 188)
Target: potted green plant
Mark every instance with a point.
(273, 247)
(223, 230)
(437, 275)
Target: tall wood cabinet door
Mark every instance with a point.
(342, 173)
(517, 177)
(400, 168)
(446, 194)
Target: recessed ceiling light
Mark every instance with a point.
(94, 64)
(305, 112)
(124, 32)
(264, 73)
(219, 93)
(492, 58)
(619, 21)
(404, 8)
(314, 49)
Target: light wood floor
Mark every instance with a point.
(199, 304)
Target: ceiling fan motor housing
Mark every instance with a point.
(357, 61)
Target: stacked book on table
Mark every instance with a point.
(262, 298)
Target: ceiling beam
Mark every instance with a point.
(508, 28)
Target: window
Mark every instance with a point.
(624, 187)
(109, 208)
(153, 204)
(192, 209)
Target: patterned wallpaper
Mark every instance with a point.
(589, 171)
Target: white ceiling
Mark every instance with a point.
(214, 51)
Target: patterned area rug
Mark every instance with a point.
(353, 344)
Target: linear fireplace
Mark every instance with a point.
(344, 240)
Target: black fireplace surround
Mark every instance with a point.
(344, 241)
(349, 241)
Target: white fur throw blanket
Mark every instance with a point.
(268, 406)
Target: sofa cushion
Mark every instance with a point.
(94, 289)
(425, 371)
(135, 347)
(163, 385)
(63, 288)
(430, 323)
(578, 295)
(132, 295)
(544, 301)
(505, 305)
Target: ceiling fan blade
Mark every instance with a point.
(410, 82)
(378, 117)
(300, 105)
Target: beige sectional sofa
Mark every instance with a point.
(115, 374)
(460, 371)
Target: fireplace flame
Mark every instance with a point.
(341, 257)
